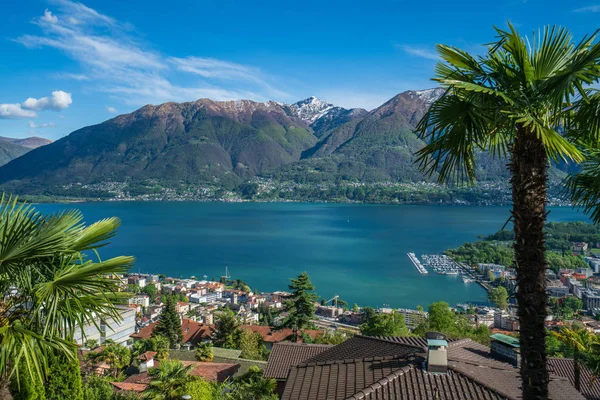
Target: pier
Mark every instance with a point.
(417, 263)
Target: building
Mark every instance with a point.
(558, 291)
(137, 280)
(328, 311)
(141, 299)
(110, 329)
(204, 298)
(506, 322)
(412, 318)
(270, 336)
(496, 269)
(591, 299)
(579, 247)
(484, 319)
(373, 368)
(506, 348)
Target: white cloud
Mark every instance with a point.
(59, 101)
(48, 17)
(111, 110)
(33, 125)
(14, 111)
(422, 52)
(589, 9)
(118, 62)
(75, 77)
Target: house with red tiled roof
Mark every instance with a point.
(271, 335)
(193, 332)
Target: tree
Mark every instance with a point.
(499, 297)
(334, 338)
(441, 318)
(579, 341)
(203, 352)
(169, 324)
(115, 355)
(251, 386)
(91, 344)
(300, 305)
(158, 343)
(355, 308)
(46, 262)
(490, 275)
(385, 325)
(532, 103)
(571, 305)
(96, 388)
(64, 378)
(200, 389)
(265, 315)
(150, 290)
(168, 381)
(25, 386)
(227, 330)
(252, 346)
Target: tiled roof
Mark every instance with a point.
(391, 368)
(145, 332)
(216, 372)
(275, 336)
(193, 332)
(285, 355)
(147, 356)
(590, 387)
(364, 346)
(125, 386)
(378, 378)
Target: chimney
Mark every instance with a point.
(437, 357)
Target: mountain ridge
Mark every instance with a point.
(222, 144)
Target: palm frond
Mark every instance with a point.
(584, 186)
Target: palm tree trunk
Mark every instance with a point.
(529, 168)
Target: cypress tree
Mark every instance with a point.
(64, 378)
(169, 324)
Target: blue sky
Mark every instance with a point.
(64, 65)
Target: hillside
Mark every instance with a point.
(9, 151)
(31, 142)
(204, 147)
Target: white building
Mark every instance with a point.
(142, 300)
(118, 331)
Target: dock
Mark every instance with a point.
(417, 263)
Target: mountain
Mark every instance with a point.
(205, 141)
(221, 144)
(11, 148)
(31, 142)
(366, 146)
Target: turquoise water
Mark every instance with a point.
(355, 251)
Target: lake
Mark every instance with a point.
(355, 251)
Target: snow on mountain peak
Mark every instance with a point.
(429, 95)
(311, 109)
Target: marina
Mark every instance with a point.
(413, 258)
(441, 264)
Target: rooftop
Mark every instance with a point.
(386, 367)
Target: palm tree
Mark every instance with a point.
(580, 341)
(49, 284)
(529, 100)
(168, 380)
(203, 352)
(115, 355)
